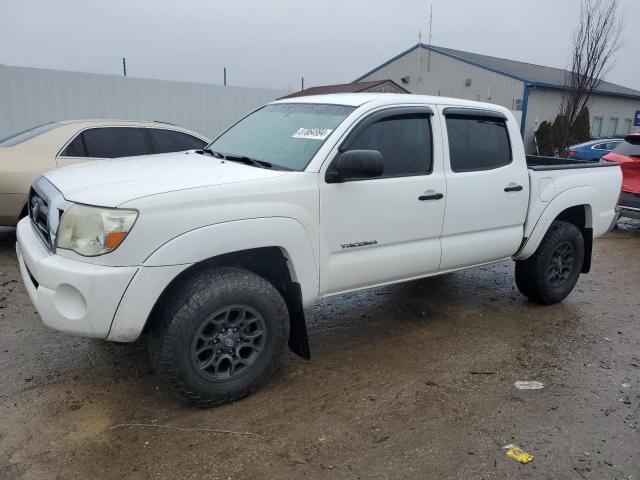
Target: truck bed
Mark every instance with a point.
(554, 163)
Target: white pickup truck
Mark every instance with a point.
(215, 253)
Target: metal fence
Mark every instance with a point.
(32, 96)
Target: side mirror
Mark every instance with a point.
(355, 165)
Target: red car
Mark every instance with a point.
(627, 154)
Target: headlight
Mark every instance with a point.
(92, 231)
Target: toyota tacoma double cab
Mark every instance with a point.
(214, 254)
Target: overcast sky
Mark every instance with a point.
(273, 43)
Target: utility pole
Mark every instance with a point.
(124, 66)
(225, 76)
(302, 83)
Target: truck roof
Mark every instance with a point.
(359, 99)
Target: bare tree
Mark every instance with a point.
(595, 43)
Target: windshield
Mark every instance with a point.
(286, 135)
(628, 149)
(27, 134)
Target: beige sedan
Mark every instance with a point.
(27, 155)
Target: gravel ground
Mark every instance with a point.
(408, 381)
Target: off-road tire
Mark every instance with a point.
(532, 274)
(180, 317)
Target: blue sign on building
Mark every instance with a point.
(636, 121)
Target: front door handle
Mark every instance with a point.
(430, 196)
(513, 188)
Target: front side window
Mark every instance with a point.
(287, 135)
(166, 141)
(113, 142)
(404, 142)
(477, 143)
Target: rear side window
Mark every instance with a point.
(628, 149)
(404, 142)
(27, 134)
(75, 148)
(477, 143)
(165, 141)
(113, 142)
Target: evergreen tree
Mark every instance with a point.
(544, 138)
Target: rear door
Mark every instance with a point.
(105, 142)
(387, 228)
(487, 188)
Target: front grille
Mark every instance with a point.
(629, 200)
(39, 206)
(46, 207)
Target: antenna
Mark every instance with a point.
(224, 73)
(302, 83)
(430, 24)
(124, 66)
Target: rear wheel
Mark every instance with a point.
(220, 336)
(550, 274)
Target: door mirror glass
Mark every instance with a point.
(356, 165)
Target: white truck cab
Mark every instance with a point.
(215, 253)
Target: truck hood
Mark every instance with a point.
(109, 183)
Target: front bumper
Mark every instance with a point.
(70, 296)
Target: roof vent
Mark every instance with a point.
(406, 79)
(467, 82)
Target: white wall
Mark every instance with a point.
(32, 96)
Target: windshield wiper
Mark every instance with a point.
(248, 161)
(241, 158)
(211, 152)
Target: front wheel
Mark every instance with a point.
(220, 336)
(550, 274)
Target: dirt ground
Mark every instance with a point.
(408, 381)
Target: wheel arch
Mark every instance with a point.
(272, 264)
(571, 206)
(278, 249)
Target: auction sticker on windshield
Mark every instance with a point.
(313, 133)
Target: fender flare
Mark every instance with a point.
(211, 241)
(572, 197)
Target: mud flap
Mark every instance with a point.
(298, 340)
(587, 234)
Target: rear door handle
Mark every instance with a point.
(513, 188)
(431, 196)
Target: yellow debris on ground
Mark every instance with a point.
(517, 454)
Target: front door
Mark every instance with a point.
(385, 229)
(487, 188)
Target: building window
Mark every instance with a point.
(596, 127)
(626, 130)
(613, 127)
